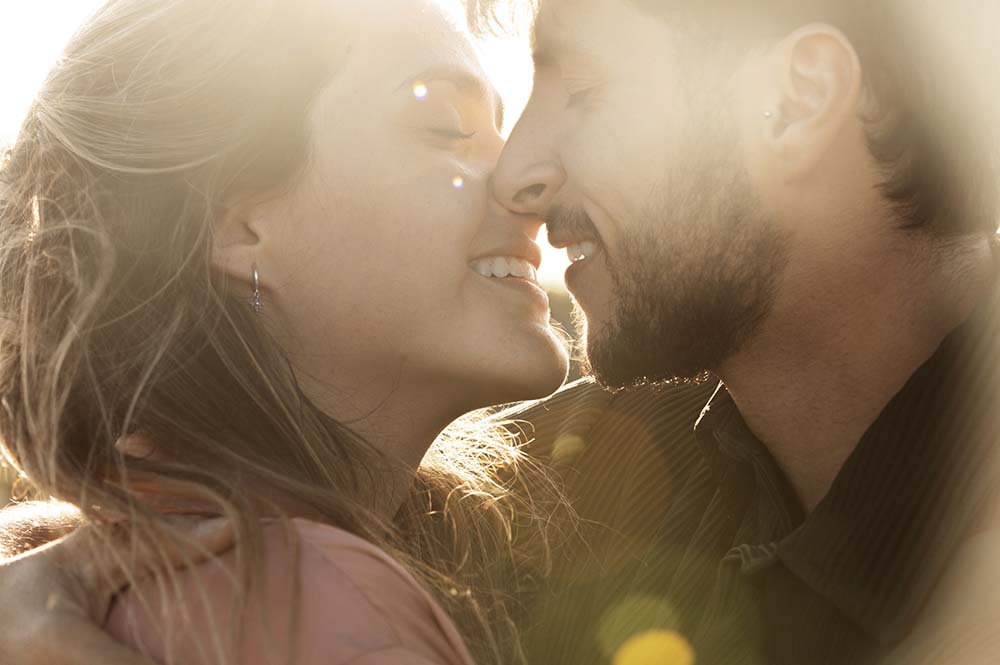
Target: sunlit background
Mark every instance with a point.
(32, 35)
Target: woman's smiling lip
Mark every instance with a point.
(521, 286)
(513, 273)
(512, 263)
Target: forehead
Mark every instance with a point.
(566, 26)
(390, 38)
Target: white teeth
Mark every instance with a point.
(579, 251)
(501, 267)
(520, 268)
(505, 266)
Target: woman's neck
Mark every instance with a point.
(398, 421)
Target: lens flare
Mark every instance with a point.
(420, 90)
(655, 647)
(458, 182)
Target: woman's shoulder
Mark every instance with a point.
(352, 565)
(329, 547)
(354, 603)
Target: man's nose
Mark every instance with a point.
(528, 175)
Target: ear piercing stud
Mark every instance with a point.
(768, 114)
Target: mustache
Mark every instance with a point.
(561, 220)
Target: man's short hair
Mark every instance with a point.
(931, 90)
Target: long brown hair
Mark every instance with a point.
(161, 117)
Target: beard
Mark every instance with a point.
(694, 278)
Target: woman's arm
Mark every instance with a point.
(52, 598)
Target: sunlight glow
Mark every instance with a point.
(32, 35)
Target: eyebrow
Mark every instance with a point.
(539, 52)
(543, 48)
(466, 82)
(541, 58)
(550, 46)
(553, 54)
(543, 51)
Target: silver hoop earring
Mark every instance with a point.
(255, 302)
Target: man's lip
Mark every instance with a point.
(571, 277)
(564, 240)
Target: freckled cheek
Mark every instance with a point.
(461, 220)
(429, 239)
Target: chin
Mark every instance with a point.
(530, 374)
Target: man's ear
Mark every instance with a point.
(818, 86)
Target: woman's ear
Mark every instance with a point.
(238, 244)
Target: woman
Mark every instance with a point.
(259, 234)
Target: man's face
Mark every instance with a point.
(630, 149)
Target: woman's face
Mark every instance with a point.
(385, 266)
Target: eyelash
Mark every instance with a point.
(579, 90)
(577, 98)
(453, 134)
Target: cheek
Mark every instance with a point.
(385, 252)
(619, 160)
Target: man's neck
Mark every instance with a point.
(830, 358)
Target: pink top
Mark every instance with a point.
(357, 606)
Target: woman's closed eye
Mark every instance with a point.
(579, 91)
(577, 98)
(454, 134)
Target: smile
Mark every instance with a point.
(580, 251)
(504, 267)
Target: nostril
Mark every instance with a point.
(530, 193)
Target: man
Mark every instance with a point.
(800, 199)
